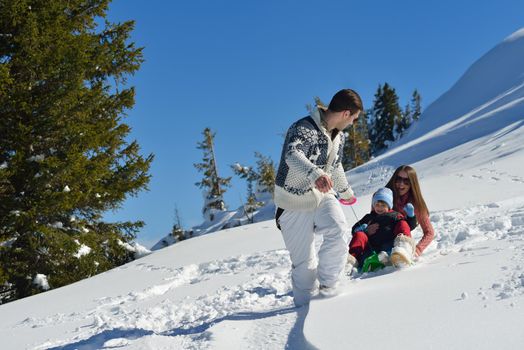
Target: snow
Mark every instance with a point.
(516, 35)
(82, 250)
(231, 289)
(36, 158)
(137, 249)
(41, 281)
(57, 224)
(8, 242)
(477, 259)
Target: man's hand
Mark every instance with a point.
(324, 184)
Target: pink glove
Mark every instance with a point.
(350, 201)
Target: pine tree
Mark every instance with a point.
(411, 113)
(177, 231)
(356, 148)
(65, 158)
(416, 107)
(214, 186)
(263, 177)
(251, 176)
(319, 103)
(266, 174)
(373, 124)
(404, 122)
(384, 115)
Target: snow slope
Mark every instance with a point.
(483, 107)
(466, 290)
(231, 289)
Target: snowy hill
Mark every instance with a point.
(231, 289)
(493, 84)
(478, 121)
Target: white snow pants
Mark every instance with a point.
(298, 229)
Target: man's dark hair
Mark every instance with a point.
(346, 99)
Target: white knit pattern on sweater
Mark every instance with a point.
(309, 153)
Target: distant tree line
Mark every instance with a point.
(379, 126)
(387, 121)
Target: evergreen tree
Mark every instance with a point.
(416, 107)
(64, 154)
(266, 174)
(177, 231)
(411, 113)
(213, 185)
(373, 113)
(319, 103)
(356, 147)
(263, 177)
(384, 116)
(251, 176)
(404, 122)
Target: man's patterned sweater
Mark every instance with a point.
(309, 152)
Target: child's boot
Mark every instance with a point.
(403, 250)
(351, 265)
(383, 257)
(351, 262)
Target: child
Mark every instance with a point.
(393, 234)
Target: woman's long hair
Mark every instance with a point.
(414, 191)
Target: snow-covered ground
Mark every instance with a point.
(231, 289)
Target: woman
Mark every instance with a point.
(406, 189)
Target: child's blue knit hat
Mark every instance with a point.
(385, 195)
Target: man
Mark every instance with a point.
(309, 177)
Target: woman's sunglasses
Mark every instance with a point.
(404, 180)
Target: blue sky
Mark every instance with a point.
(246, 69)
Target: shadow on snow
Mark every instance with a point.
(295, 340)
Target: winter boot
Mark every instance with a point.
(351, 262)
(403, 250)
(351, 265)
(328, 292)
(383, 257)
